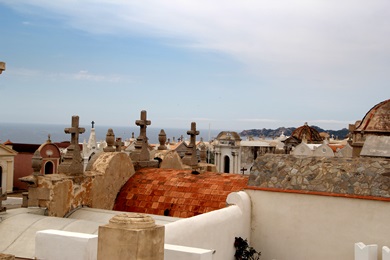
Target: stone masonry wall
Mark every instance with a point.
(352, 176)
(96, 188)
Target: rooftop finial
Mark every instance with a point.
(2, 66)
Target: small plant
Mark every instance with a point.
(244, 251)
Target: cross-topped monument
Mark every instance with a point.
(141, 144)
(72, 163)
(141, 155)
(193, 133)
(190, 157)
(142, 123)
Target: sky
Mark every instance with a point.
(224, 64)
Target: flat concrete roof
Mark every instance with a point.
(19, 226)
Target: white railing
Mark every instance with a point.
(62, 245)
(370, 252)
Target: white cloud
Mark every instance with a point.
(312, 48)
(256, 120)
(82, 75)
(343, 43)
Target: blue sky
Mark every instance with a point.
(230, 64)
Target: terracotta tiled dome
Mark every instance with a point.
(377, 119)
(311, 135)
(177, 193)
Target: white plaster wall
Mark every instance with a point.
(288, 226)
(65, 245)
(214, 230)
(173, 252)
(365, 252)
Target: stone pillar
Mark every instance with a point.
(131, 236)
(2, 66)
(110, 140)
(36, 162)
(3, 196)
(25, 200)
(162, 138)
(234, 164)
(217, 162)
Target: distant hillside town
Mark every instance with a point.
(273, 133)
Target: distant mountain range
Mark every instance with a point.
(271, 133)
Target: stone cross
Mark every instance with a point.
(190, 157)
(74, 131)
(193, 133)
(141, 152)
(142, 123)
(72, 163)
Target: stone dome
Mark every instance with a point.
(227, 135)
(377, 119)
(307, 132)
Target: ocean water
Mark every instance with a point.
(38, 133)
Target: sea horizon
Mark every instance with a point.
(38, 133)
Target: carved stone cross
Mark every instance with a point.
(72, 163)
(141, 152)
(142, 123)
(74, 131)
(190, 157)
(193, 133)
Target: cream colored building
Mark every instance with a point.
(7, 156)
(227, 156)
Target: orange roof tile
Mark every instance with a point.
(334, 147)
(177, 193)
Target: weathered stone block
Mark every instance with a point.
(6, 257)
(131, 236)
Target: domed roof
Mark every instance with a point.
(307, 132)
(49, 149)
(177, 193)
(377, 119)
(227, 135)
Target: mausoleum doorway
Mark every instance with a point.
(226, 164)
(49, 167)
